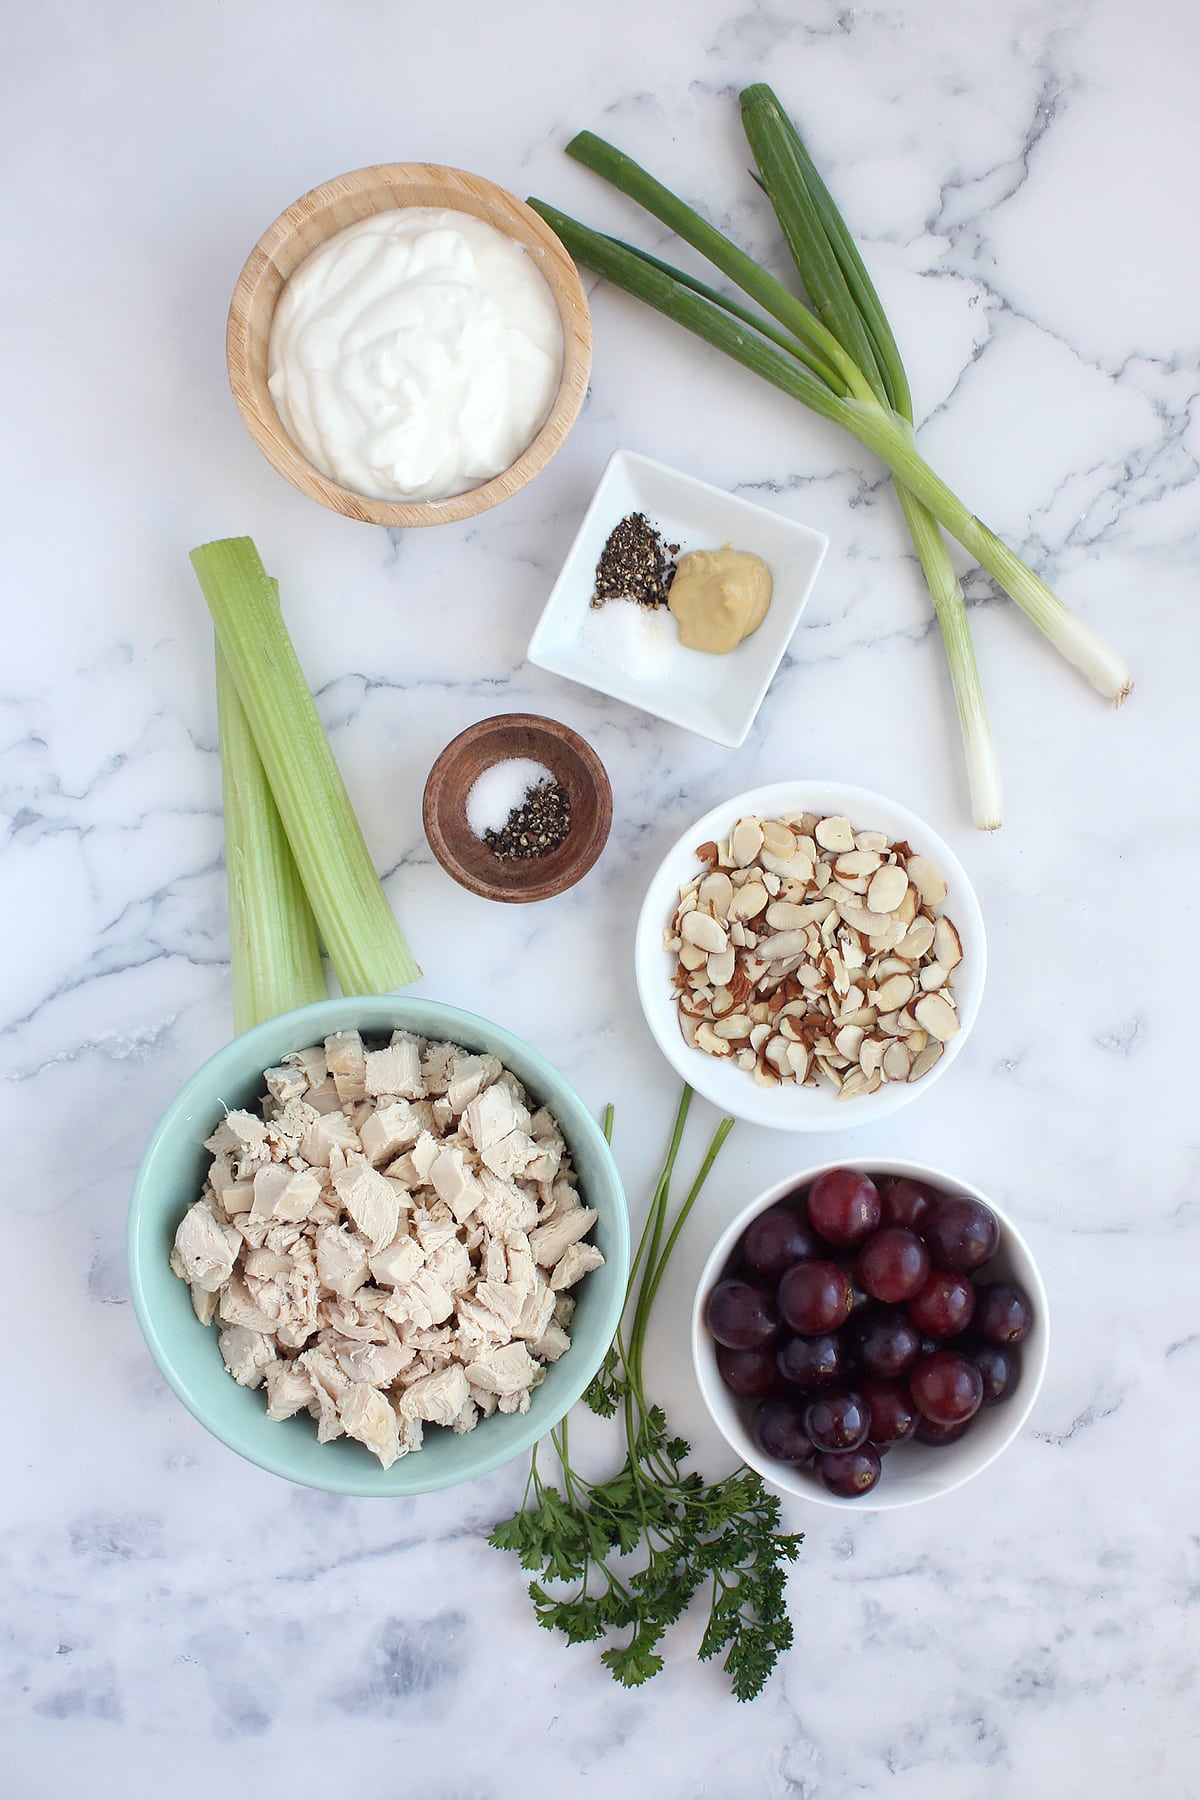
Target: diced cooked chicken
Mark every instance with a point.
(341, 1259)
(388, 1130)
(205, 1250)
(552, 1343)
(396, 1264)
(396, 1070)
(289, 1389)
(281, 1192)
(245, 1353)
(507, 1369)
(438, 1399)
(388, 1245)
(369, 1198)
(454, 1183)
(577, 1261)
(347, 1063)
(550, 1241)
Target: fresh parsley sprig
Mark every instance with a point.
(633, 1551)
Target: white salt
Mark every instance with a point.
(500, 790)
(636, 640)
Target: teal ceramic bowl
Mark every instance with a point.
(170, 1178)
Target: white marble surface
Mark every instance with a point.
(1022, 177)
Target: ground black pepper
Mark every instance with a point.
(635, 564)
(534, 828)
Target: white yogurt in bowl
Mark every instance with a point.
(415, 354)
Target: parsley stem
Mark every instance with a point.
(656, 1270)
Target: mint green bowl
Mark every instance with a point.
(170, 1178)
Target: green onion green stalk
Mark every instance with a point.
(838, 356)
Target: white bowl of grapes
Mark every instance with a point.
(870, 1336)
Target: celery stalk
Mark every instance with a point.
(274, 955)
(365, 944)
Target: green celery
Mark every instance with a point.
(358, 928)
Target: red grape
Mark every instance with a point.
(944, 1306)
(776, 1239)
(814, 1297)
(780, 1431)
(812, 1362)
(885, 1343)
(741, 1316)
(849, 1473)
(999, 1367)
(893, 1415)
(893, 1263)
(904, 1202)
(1004, 1314)
(843, 1206)
(837, 1421)
(962, 1234)
(929, 1432)
(751, 1373)
(947, 1387)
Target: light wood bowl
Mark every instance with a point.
(577, 770)
(318, 216)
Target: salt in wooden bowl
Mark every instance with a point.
(575, 767)
(319, 215)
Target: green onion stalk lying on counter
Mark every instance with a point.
(837, 354)
(298, 869)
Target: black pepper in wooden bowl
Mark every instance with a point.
(534, 828)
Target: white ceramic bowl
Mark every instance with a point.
(716, 696)
(911, 1472)
(788, 1107)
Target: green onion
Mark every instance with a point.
(843, 294)
(365, 944)
(274, 953)
(840, 359)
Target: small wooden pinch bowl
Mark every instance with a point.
(575, 767)
(319, 215)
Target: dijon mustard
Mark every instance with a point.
(718, 597)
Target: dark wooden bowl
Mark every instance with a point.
(576, 768)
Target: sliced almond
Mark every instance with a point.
(888, 888)
(858, 862)
(798, 1061)
(737, 1025)
(935, 1014)
(692, 956)
(855, 1084)
(702, 929)
(784, 943)
(870, 1055)
(896, 1061)
(748, 901)
(849, 1042)
(927, 878)
(745, 842)
(778, 839)
(924, 1062)
(721, 965)
(834, 833)
(933, 976)
(947, 945)
(871, 840)
(708, 1041)
(893, 993)
(917, 941)
(716, 892)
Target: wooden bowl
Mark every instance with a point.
(577, 770)
(326, 211)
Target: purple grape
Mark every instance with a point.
(740, 1316)
(1003, 1314)
(849, 1473)
(928, 1432)
(893, 1415)
(775, 1240)
(843, 1206)
(887, 1344)
(893, 1264)
(947, 1387)
(999, 1367)
(812, 1362)
(907, 1203)
(814, 1297)
(962, 1235)
(944, 1306)
(779, 1429)
(750, 1373)
(837, 1421)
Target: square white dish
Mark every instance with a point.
(715, 696)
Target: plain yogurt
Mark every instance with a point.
(415, 354)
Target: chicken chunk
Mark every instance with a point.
(205, 1251)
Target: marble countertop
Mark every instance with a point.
(1021, 178)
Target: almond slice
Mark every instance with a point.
(947, 945)
(834, 833)
(745, 842)
(888, 888)
(927, 878)
(702, 929)
(935, 1014)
